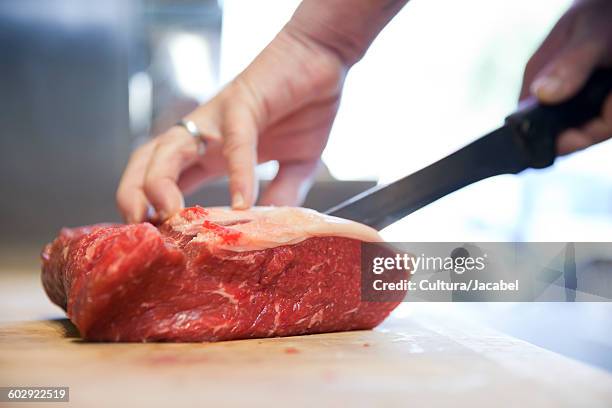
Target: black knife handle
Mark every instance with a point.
(537, 125)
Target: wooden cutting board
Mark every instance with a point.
(422, 356)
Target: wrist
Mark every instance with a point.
(344, 47)
(343, 27)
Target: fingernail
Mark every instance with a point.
(546, 86)
(238, 201)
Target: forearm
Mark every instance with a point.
(347, 27)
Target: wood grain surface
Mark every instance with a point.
(422, 356)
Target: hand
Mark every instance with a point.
(580, 42)
(280, 108)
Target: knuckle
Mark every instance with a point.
(238, 147)
(232, 148)
(183, 148)
(238, 143)
(187, 151)
(167, 137)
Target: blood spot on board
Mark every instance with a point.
(291, 350)
(366, 344)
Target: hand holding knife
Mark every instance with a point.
(526, 140)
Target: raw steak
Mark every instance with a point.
(212, 274)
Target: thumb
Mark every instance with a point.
(240, 152)
(291, 183)
(565, 75)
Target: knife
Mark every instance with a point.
(526, 140)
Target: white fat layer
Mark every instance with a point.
(268, 227)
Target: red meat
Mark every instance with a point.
(198, 278)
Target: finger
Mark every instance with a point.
(556, 40)
(291, 184)
(567, 72)
(175, 151)
(240, 152)
(131, 198)
(206, 118)
(597, 130)
(577, 139)
(572, 140)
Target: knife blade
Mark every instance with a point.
(526, 140)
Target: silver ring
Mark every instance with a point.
(193, 130)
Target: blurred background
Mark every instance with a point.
(83, 83)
